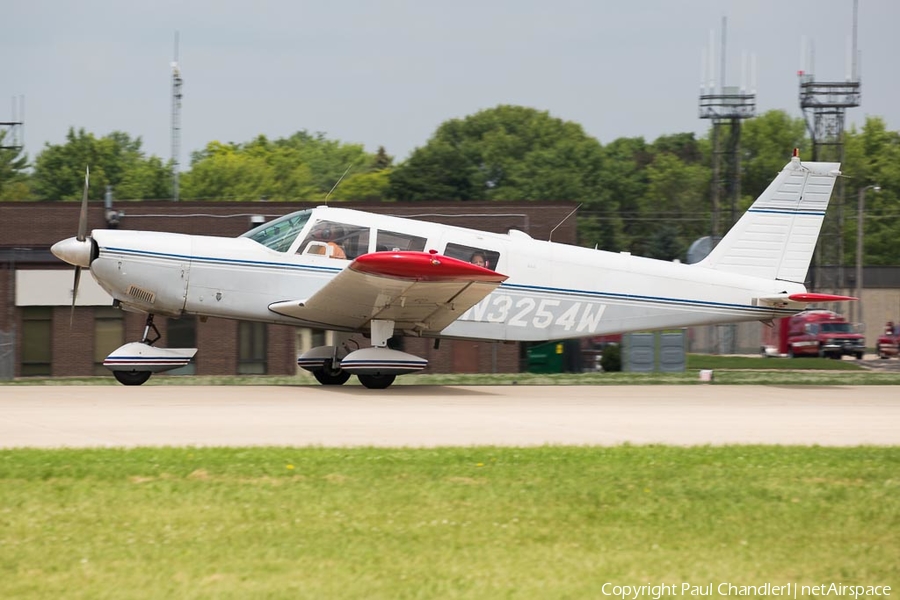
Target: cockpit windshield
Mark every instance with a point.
(280, 233)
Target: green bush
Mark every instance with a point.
(611, 359)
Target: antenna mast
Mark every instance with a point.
(15, 127)
(176, 122)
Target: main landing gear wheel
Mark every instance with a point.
(328, 375)
(132, 377)
(376, 382)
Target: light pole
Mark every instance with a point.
(860, 207)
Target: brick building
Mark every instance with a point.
(35, 288)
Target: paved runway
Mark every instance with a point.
(74, 416)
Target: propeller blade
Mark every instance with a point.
(82, 219)
(74, 295)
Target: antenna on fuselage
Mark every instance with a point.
(338, 182)
(574, 210)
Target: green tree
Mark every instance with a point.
(682, 145)
(766, 146)
(675, 206)
(514, 153)
(300, 167)
(872, 157)
(13, 178)
(507, 152)
(226, 172)
(115, 159)
(382, 160)
(436, 171)
(371, 186)
(617, 218)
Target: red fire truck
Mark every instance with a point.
(813, 333)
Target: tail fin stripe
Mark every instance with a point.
(799, 211)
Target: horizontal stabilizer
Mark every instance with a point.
(820, 298)
(799, 300)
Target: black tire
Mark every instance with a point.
(331, 377)
(376, 382)
(328, 375)
(859, 355)
(132, 377)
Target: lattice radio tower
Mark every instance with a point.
(824, 105)
(176, 122)
(727, 106)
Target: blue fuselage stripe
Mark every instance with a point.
(507, 285)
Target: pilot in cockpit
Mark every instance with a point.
(330, 234)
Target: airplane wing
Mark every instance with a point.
(421, 292)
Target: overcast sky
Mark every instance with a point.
(387, 73)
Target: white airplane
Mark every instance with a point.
(356, 272)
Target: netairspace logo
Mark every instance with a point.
(788, 590)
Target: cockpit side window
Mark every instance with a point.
(479, 256)
(280, 233)
(389, 240)
(336, 240)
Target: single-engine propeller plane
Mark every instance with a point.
(355, 272)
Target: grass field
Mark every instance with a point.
(553, 522)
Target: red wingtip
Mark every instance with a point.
(796, 152)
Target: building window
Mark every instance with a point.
(37, 333)
(109, 331)
(251, 348)
(182, 333)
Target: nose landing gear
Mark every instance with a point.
(133, 363)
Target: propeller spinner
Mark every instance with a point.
(78, 250)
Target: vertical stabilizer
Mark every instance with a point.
(776, 237)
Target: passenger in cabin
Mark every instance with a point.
(479, 259)
(330, 234)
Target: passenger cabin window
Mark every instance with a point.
(280, 233)
(336, 240)
(388, 241)
(478, 256)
